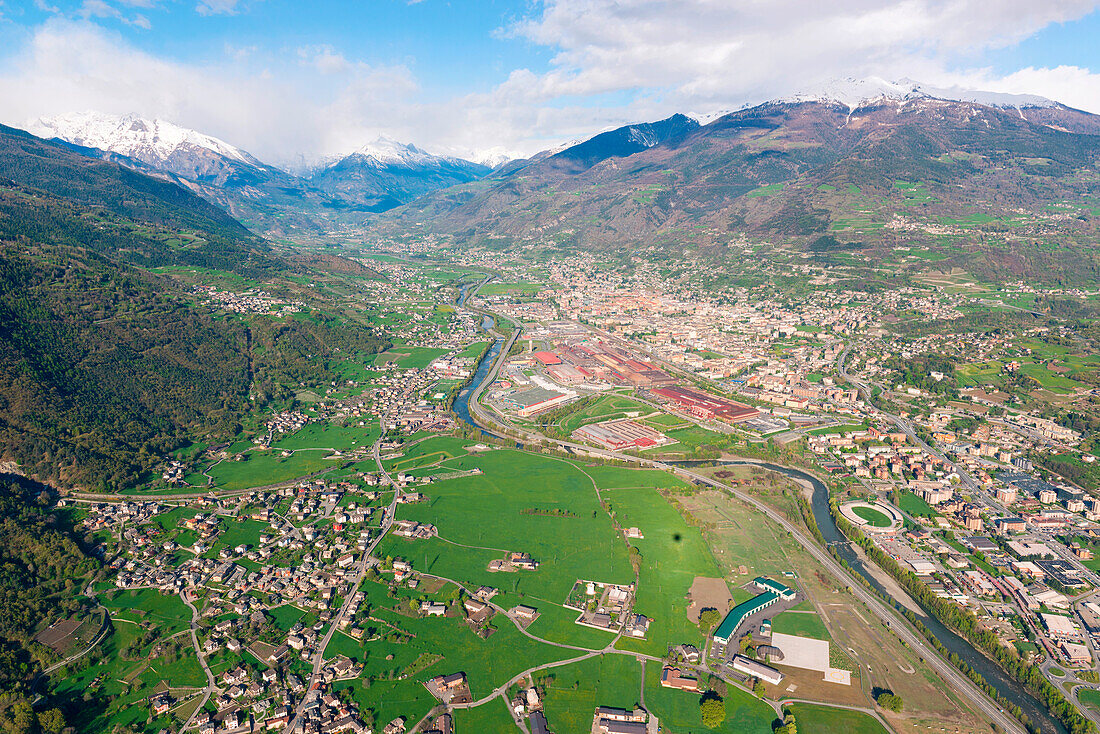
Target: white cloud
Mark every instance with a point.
(271, 107)
(696, 51)
(1071, 85)
(324, 59)
(101, 9)
(616, 61)
(217, 7)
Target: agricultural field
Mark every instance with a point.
(256, 469)
(484, 513)
(821, 719)
(407, 357)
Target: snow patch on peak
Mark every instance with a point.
(150, 141)
(855, 93)
(388, 151)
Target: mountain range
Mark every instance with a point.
(379, 176)
(869, 165)
(106, 360)
(997, 181)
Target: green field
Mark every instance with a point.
(875, 518)
(429, 451)
(1090, 698)
(802, 624)
(326, 436)
(673, 554)
(488, 663)
(492, 716)
(607, 407)
(485, 512)
(814, 719)
(410, 357)
(242, 531)
(574, 691)
(914, 505)
(167, 612)
(261, 469)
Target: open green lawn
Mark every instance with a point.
(1050, 380)
(286, 616)
(814, 719)
(167, 612)
(619, 477)
(574, 691)
(875, 518)
(327, 436)
(488, 663)
(429, 451)
(673, 554)
(247, 532)
(1090, 698)
(171, 520)
(491, 716)
(411, 357)
(486, 512)
(914, 505)
(261, 469)
(608, 407)
(803, 624)
(473, 351)
(693, 437)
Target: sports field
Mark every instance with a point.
(875, 518)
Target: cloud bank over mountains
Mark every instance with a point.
(609, 62)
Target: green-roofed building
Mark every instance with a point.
(766, 584)
(740, 613)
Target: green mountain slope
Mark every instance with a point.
(983, 186)
(49, 191)
(105, 365)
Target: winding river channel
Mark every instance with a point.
(993, 674)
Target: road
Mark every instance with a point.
(364, 562)
(903, 425)
(211, 684)
(888, 616)
(104, 629)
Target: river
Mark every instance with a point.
(993, 674)
(1008, 687)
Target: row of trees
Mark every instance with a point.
(966, 624)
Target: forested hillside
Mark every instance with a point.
(40, 558)
(105, 365)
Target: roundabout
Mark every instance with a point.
(873, 517)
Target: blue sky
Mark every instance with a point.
(293, 81)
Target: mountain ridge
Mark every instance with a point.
(805, 169)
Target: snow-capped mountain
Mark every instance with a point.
(161, 145)
(385, 173)
(856, 93)
(386, 151)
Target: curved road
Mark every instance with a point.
(211, 684)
